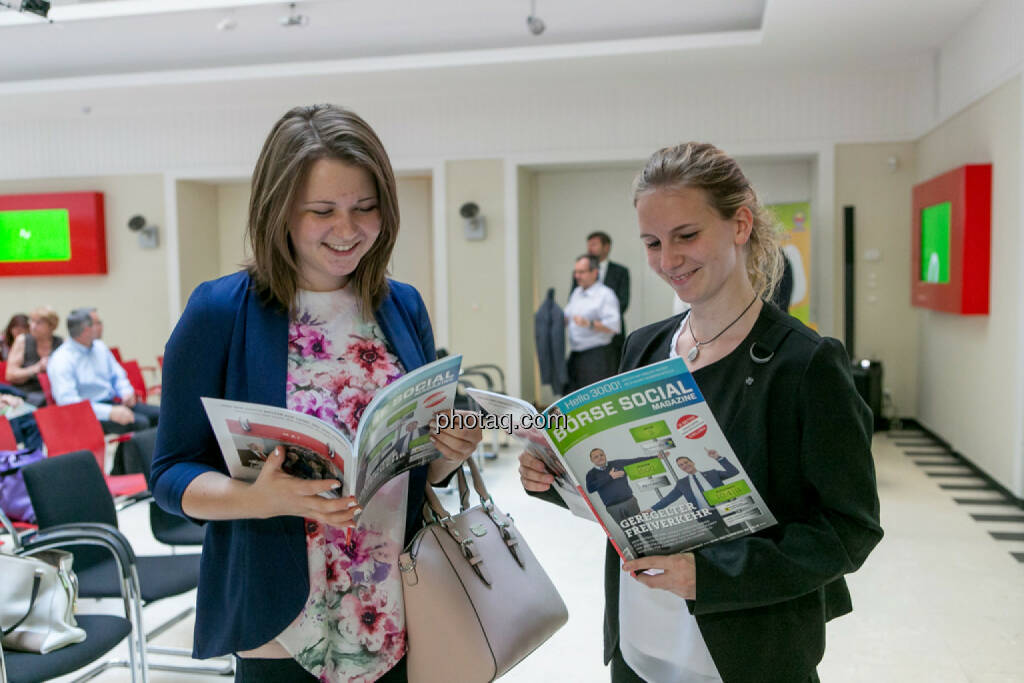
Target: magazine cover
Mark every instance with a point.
(522, 421)
(393, 434)
(653, 463)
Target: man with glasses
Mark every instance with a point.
(593, 318)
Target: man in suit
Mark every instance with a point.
(608, 479)
(613, 276)
(692, 485)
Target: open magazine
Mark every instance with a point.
(645, 454)
(393, 434)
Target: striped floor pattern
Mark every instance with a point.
(1002, 518)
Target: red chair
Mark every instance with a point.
(135, 378)
(44, 382)
(7, 440)
(117, 353)
(74, 427)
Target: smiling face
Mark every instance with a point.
(333, 223)
(686, 465)
(696, 251)
(598, 457)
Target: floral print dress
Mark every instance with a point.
(352, 627)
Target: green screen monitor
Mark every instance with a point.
(28, 236)
(935, 231)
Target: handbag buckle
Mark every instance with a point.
(475, 560)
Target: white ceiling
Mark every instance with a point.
(361, 36)
(336, 30)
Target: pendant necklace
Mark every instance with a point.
(692, 354)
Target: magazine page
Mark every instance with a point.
(521, 420)
(654, 464)
(394, 431)
(248, 433)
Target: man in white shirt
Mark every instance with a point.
(593, 317)
(83, 368)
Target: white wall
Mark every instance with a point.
(970, 367)
(480, 112)
(983, 54)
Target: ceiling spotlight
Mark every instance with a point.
(38, 7)
(534, 23)
(294, 18)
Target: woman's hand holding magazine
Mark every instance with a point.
(534, 475)
(276, 493)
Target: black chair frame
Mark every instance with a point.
(109, 538)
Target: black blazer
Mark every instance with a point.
(803, 436)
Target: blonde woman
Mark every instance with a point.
(31, 351)
(753, 608)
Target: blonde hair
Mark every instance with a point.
(703, 166)
(48, 314)
(304, 135)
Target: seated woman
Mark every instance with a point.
(290, 582)
(17, 325)
(752, 608)
(30, 353)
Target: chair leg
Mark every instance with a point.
(225, 668)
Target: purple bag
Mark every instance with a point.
(14, 500)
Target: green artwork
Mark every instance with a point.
(35, 235)
(935, 223)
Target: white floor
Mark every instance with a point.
(940, 600)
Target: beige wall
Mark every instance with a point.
(132, 297)
(232, 214)
(969, 367)
(886, 324)
(529, 296)
(476, 270)
(413, 258)
(198, 235)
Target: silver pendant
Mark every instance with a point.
(692, 354)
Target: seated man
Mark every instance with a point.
(83, 368)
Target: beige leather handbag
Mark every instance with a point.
(476, 600)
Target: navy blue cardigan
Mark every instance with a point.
(254, 577)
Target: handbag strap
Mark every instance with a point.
(37, 581)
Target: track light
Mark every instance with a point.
(294, 18)
(38, 7)
(534, 24)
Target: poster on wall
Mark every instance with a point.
(794, 221)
